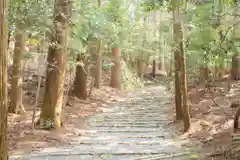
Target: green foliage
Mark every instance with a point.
(34, 15)
(136, 27)
(205, 38)
(150, 5)
(28, 55)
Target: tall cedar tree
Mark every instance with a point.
(51, 109)
(3, 79)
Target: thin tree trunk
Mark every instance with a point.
(177, 39)
(3, 80)
(140, 59)
(162, 63)
(51, 109)
(80, 82)
(235, 69)
(140, 67)
(116, 69)
(161, 43)
(185, 100)
(154, 66)
(178, 33)
(171, 66)
(98, 71)
(16, 105)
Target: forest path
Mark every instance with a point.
(139, 127)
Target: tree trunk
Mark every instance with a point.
(80, 82)
(16, 105)
(116, 69)
(178, 34)
(161, 44)
(162, 63)
(185, 99)
(51, 108)
(140, 59)
(98, 71)
(204, 74)
(9, 38)
(3, 80)
(235, 70)
(154, 68)
(171, 65)
(140, 67)
(177, 39)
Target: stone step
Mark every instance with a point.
(126, 121)
(140, 105)
(89, 157)
(132, 119)
(138, 112)
(129, 115)
(165, 134)
(128, 141)
(156, 104)
(177, 156)
(122, 130)
(126, 125)
(128, 137)
(120, 114)
(158, 156)
(112, 149)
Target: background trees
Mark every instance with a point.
(84, 44)
(56, 63)
(134, 34)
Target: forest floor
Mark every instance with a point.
(136, 123)
(24, 140)
(212, 118)
(138, 126)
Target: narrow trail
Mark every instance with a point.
(136, 128)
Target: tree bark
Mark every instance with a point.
(171, 65)
(235, 69)
(16, 105)
(140, 67)
(98, 71)
(162, 63)
(3, 80)
(51, 108)
(116, 69)
(177, 39)
(178, 33)
(204, 74)
(161, 44)
(154, 68)
(186, 104)
(80, 82)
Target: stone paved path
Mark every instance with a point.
(134, 129)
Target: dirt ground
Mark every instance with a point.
(212, 118)
(22, 139)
